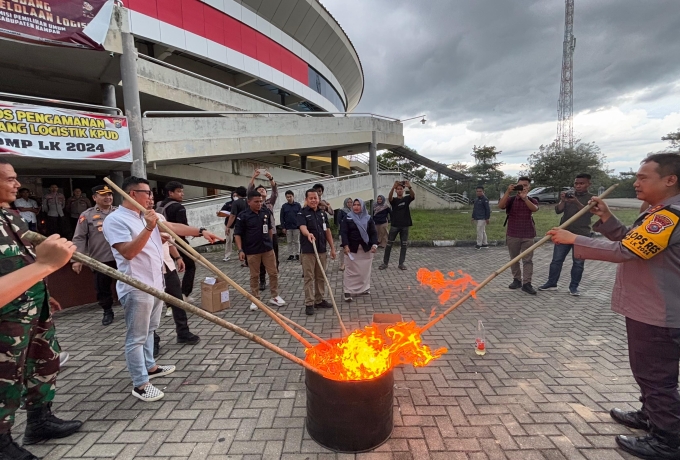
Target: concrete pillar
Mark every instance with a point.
(109, 99)
(335, 168)
(373, 165)
(133, 107)
(303, 161)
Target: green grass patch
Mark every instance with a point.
(451, 224)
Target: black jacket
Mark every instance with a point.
(381, 217)
(349, 232)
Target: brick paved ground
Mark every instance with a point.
(555, 365)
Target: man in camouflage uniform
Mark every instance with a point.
(89, 239)
(29, 353)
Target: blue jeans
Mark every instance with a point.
(560, 253)
(142, 317)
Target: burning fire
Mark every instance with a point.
(446, 288)
(370, 352)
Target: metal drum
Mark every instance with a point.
(349, 416)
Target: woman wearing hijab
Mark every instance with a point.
(342, 214)
(381, 214)
(359, 243)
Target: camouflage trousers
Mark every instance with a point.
(29, 361)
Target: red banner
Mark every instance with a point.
(74, 23)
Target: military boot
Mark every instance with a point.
(10, 450)
(42, 425)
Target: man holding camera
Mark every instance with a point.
(521, 231)
(401, 221)
(570, 203)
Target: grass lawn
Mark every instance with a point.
(456, 224)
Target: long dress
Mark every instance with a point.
(357, 277)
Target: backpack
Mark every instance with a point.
(161, 209)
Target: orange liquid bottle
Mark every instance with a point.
(480, 341)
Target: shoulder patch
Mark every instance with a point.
(652, 236)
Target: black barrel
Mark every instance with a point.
(353, 416)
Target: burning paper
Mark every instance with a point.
(447, 288)
(369, 352)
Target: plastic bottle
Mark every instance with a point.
(480, 341)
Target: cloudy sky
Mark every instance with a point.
(488, 72)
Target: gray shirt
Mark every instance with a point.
(122, 226)
(645, 290)
(89, 235)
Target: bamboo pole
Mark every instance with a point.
(531, 249)
(285, 318)
(330, 290)
(213, 268)
(36, 239)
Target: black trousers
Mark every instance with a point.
(654, 353)
(174, 288)
(263, 272)
(403, 238)
(57, 225)
(103, 287)
(189, 275)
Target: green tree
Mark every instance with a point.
(673, 138)
(486, 169)
(553, 166)
(394, 160)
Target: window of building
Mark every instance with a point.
(319, 84)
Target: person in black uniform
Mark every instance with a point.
(253, 234)
(237, 207)
(314, 230)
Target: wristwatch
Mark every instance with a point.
(240, 251)
(201, 230)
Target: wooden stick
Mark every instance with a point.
(36, 238)
(531, 249)
(285, 318)
(213, 268)
(330, 289)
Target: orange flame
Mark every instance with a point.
(370, 352)
(446, 288)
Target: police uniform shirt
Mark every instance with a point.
(89, 237)
(317, 223)
(253, 228)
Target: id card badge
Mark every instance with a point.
(265, 228)
(324, 226)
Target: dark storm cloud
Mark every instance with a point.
(497, 63)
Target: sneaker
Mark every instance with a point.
(188, 339)
(291, 257)
(253, 307)
(107, 318)
(168, 312)
(348, 297)
(382, 267)
(529, 289)
(226, 259)
(516, 284)
(161, 371)
(278, 301)
(548, 287)
(575, 292)
(342, 268)
(263, 286)
(188, 298)
(366, 292)
(402, 267)
(297, 257)
(323, 304)
(149, 393)
(485, 246)
(477, 247)
(309, 309)
(63, 358)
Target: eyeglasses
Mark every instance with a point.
(147, 192)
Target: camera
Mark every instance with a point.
(569, 195)
(518, 188)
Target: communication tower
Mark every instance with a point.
(565, 106)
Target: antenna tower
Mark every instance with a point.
(565, 106)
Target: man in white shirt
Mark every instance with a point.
(28, 208)
(137, 246)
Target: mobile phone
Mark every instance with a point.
(262, 170)
(518, 188)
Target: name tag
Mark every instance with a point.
(265, 228)
(324, 226)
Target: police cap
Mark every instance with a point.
(101, 190)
